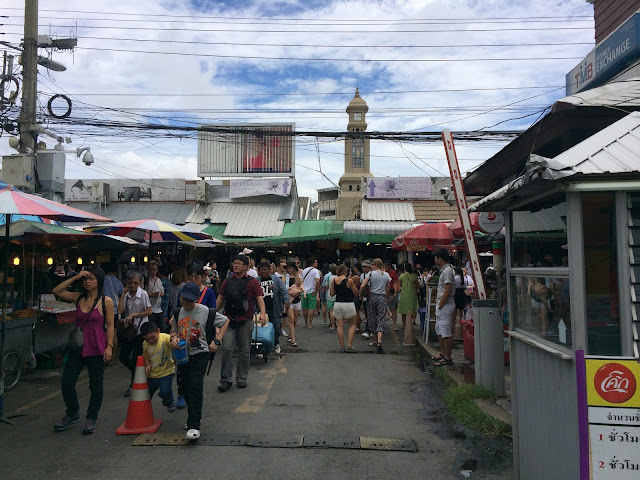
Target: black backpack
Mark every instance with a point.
(235, 296)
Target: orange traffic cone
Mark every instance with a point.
(140, 414)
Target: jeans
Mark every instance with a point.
(73, 367)
(129, 352)
(240, 332)
(193, 382)
(165, 386)
(277, 325)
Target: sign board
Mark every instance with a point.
(613, 418)
(609, 56)
(399, 187)
(463, 211)
(250, 150)
(491, 222)
(260, 186)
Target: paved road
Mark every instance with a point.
(314, 392)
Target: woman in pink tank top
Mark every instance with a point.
(94, 315)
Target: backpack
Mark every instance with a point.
(235, 296)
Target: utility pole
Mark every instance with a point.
(29, 77)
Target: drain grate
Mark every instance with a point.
(389, 444)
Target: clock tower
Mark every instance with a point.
(356, 161)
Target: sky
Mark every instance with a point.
(419, 65)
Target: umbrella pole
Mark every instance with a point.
(4, 313)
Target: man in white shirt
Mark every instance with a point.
(156, 291)
(311, 285)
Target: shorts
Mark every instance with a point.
(444, 317)
(393, 303)
(330, 304)
(344, 310)
(296, 306)
(309, 302)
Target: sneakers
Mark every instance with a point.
(241, 384)
(224, 386)
(171, 408)
(181, 403)
(66, 422)
(278, 350)
(193, 434)
(89, 427)
(366, 335)
(283, 333)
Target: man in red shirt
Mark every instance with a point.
(393, 291)
(239, 294)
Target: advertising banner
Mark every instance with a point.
(258, 187)
(399, 188)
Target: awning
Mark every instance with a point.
(374, 232)
(309, 230)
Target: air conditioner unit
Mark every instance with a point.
(201, 191)
(100, 192)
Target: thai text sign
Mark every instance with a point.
(258, 187)
(613, 400)
(399, 187)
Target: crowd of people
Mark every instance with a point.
(178, 321)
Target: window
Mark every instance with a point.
(357, 153)
(601, 273)
(539, 273)
(350, 188)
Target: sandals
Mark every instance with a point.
(437, 357)
(294, 344)
(375, 345)
(443, 362)
(351, 350)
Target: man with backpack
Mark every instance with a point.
(239, 294)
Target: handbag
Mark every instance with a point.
(127, 331)
(76, 335)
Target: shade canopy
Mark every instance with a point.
(457, 230)
(16, 202)
(426, 236)
(150, 229)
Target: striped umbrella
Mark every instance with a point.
(150, 230)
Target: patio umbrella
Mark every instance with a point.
(16, 202)
(458, 231)
(426, 236)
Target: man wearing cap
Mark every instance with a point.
(241, 320)
(191, 327)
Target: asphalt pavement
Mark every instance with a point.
(313, 393)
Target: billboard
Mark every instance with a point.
(246, 150)
(243, 188)
(399, 187)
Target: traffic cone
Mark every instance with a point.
(140, 414)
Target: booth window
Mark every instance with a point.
(601, 274)
(539, 272)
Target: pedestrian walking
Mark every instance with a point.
(408, 285)
(296, 291)
(93, 348)
(344, 290)
(364, 295)
(191, 326)
(155, 292)
(329, 297)
(379, 283)
(239, 295)
(275, 295)
(393, 293)
(159, 364)
(134, 309)
(311, 281)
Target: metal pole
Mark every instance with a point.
(29, 76)
(5, 280)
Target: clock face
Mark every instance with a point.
(357, 117)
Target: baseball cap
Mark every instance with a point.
(190, 291)
(366, 263)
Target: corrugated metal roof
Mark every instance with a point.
(545, 220)
(624, 93)
(390, 228)
(387, 211)
(247, 219)
(172, 212)
(198, 214)
(434, 210)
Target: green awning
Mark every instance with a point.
(309, 230)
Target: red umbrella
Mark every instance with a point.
(426, 236)
(456, 227)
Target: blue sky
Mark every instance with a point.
(196, 61)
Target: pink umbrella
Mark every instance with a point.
(456, 227)
(426, 236)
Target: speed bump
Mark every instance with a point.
(389, 444)
(320, 441)
(275, 441)
(154, 439)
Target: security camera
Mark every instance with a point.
(445, 191)
(88, 156)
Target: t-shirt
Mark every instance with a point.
(378, 281)
(155, 285)
(197, 320)
(137, 303)
(309, 277)
(254, 290)
(326, 283)
(267, 293)
(394, 279)
(159, 355)
(363, 277)
(447, 275)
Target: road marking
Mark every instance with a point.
(26, 407)
(255, 403)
